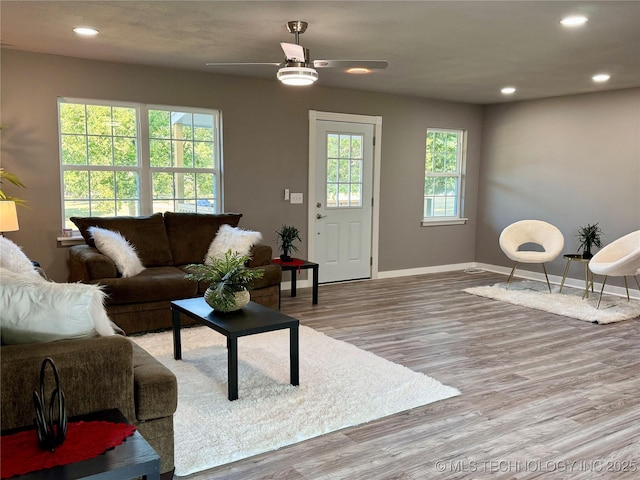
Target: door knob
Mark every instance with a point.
(318, 216)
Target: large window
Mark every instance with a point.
(129, 159)
(443, 178)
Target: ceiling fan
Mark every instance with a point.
(297, 69)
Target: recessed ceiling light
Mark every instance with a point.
(508, 90)
(601, 77)
(87, 31)
(358, 70)
(574, 21)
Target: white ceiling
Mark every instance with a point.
(450, 50)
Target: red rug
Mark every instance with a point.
(295, 262)
(21, 454)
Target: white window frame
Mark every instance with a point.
(144, 168)
(459, 218)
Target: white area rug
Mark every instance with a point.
(340, 386)
(568, 303)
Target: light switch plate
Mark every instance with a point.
(297, 198)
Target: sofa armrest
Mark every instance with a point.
(260, 256)
(155, 387)
(272, 277)
(95, 374)
(87, 264)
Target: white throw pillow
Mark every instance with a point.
(117, 248)
(33, 310)
(13, 258)
(234, 239)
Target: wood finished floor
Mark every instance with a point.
(543, 396)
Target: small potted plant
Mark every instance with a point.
(229, 280)
(287, 234)
(589, 236)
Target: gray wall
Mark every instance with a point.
(570, 161)
(265, 149)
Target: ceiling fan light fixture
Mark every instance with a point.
(297, 76)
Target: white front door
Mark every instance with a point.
(342, 207)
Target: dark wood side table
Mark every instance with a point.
(251, 319)
(299, 264)
(132, 459)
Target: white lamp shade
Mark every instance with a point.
(297, 76)
(8, 216)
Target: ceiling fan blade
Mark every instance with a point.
(293, 51)
(370, 64)
(240, 64)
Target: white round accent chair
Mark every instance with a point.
(537, 232)
(621, 258)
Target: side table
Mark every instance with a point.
(588, 276)
(299, 264)
(131, 459)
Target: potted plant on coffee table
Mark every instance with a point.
(287, 234)
(229, 280)
(589, 236)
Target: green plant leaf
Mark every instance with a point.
(287, 234)
(227, 274)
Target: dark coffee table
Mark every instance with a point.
(251, 319)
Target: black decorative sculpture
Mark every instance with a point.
(51, 431)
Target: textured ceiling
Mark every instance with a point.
(452, 50)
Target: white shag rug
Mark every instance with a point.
(340, 386)
(569, 303)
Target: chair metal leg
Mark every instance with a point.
(601, 290)
(546, 276)
(636, 279)
(511, 275)
(564, 274)
(626, 288)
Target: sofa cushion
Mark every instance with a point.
(191, 234)
(33, 310)
(151, 285)
(118, 249)
(146, 234)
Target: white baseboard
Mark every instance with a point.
(522, 274)
(424, 270)
(557, 280)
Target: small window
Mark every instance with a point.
(130, 159)
(443, 178)
(344, 170)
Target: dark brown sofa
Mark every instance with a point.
(166, 244)
(96, 374)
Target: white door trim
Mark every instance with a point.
(376, 121)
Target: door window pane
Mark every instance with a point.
(344, 170)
